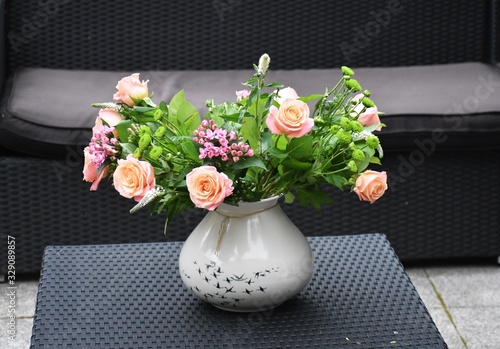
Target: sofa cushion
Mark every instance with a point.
(456, 105)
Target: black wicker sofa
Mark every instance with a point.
(431, 65)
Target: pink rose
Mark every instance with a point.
(133, 178)
(90, 171)
(207, 187)
(131, 89)
(286, 93)
(291, 119)
(371, 185)
(370, 117)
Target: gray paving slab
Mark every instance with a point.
(22, 337)
(436, 308)
(422, 284)
(467, 286)
(23, 298)
(480, 326)
(451, 336)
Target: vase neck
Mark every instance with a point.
(247, 208)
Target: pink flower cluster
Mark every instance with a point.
(216, 142)
(102, 145)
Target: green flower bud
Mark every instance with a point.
(158, 114)
(358, 155)
(372, 141)
(347, 71)
(352, 146)
(367, 102)
(319, 121)
(344, 136)
(155, 153)
(168, 157)
(160, 131)
(345, 123)
(351, 165)
(144, 130)
(137, 153)
(352, 181)
(144, 141)
(367, 93)
(356, 126)
(334, 129)
(353, 85)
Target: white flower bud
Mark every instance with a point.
(148, 198)
(264, 64)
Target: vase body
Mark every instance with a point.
(249, 257)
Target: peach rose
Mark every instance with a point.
(286, 93)
(370, 117)
(133, 178)
(110, 116)
(131, 89)
(90, 171)
(292, 118)
(371, 185)
(207, 187)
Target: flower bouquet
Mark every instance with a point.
(269, 141)
(235, 162)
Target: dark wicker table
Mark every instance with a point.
(131, 296)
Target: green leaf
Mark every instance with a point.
(188, 117)
(143, 109)
(310, 97)
(281, 143)
(371, 128)
(300, 148)
(312, 197)
(176, 101)
(190, 150)
(336, 180)
(375, 160)
(277, 153)
(364, 164)
(163, 106)
(246, 162)
(149, 102)
(289, 198)
(122, 128)
(250, 132)
(296, 164)
(127, 148)
(274, 84)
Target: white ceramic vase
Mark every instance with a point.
(246, 258)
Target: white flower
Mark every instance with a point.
(264, 64)
(148, 197)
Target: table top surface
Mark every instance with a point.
(131, 296)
